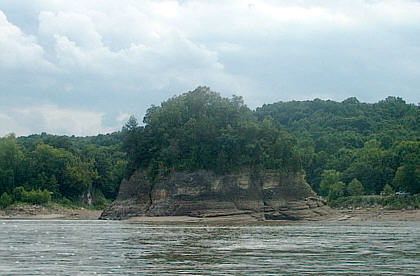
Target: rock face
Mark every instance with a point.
(267, 195)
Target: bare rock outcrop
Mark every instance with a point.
(264, 195)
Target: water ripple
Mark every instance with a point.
(33, 247)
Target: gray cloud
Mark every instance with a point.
(105, 59)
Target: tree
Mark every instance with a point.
(131, 124)
(19, 193)
(60, 171)
(336, 190)
(372, 165)
(329, 179)
(388, 190)
(11, 163)
(407, 178)
(202, 130)
(355, 188)
(364, 141)
(78, 179)
(5, 200)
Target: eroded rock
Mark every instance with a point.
(264, 195)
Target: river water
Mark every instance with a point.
(58, 247)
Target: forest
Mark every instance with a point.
(345, 148)
(370, 146)
(40, 168)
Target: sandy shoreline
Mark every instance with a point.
(368, 214)
(59, 212)
(380, 214)
(51, 212)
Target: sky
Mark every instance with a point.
(82, 67)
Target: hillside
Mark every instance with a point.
(344, 148)
(377, 144)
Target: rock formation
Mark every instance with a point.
(264, 195)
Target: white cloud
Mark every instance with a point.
(52, 119)
(123, 117)
(165, 42)
(17, 50)
(127, 43)
(125, 55)
(76, 27)
(8, 125)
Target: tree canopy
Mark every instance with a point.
(377, 144)
(66, 167)
(202, 130)
(345, 148)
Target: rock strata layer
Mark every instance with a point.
(264, 196)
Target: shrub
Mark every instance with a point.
(5, 200)
(19, 193)
(100, 200)
(388, 190)
(37, 196)
(389, 202)
(45, 196)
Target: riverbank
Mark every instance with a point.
(366, 214)
(51, 211)
(378, 214)
(56, 211)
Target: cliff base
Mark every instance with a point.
(202, 194)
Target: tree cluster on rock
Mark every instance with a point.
(202, 130)
(345, 148)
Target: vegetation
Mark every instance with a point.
(5, 200)
(388, 202)
(388, 190)
(202, 130)
(347, 149)
(355, 188)
(38, 168)
(377, 144)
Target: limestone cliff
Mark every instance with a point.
(263, 195)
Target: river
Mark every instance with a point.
(60, 247)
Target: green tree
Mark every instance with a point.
(50, 159)
(407, 178)
(388, 190)
(329, 179)
(11, 163)
(116, 175)
(60, 171)
(364, 141)
(19, 193)
(78, 179)
(202, 130)
(5, 200)
(355, 188)
(336, 190)
(372, 165)
(37, 196)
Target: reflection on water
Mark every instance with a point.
(105, 247)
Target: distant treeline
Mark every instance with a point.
(345, 148)
(376, 144)
(67, 167)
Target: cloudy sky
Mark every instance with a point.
(82, 66)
